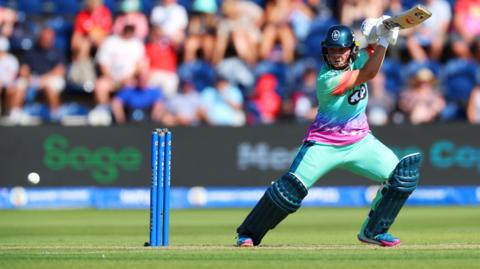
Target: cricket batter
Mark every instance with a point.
(340, 137)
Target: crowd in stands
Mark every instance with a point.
(223, 62)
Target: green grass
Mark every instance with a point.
(311, 238)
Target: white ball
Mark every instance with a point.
(33, 178)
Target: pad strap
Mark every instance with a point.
(282, 198)
(392, 196)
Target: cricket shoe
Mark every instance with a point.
(384, 240)
(244, 241)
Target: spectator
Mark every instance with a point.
(131, 14)
(199, 72)
(172, 18)
(240, 25)
(42, 67)
(138, 102)
(353, 12)
(422, 102)
(265, 103)
(8, 17)
(9, 66)
(222, 104)
(305, 102)
(201, 31)
(183, 109)
(277, 29)
(237, 72)
(302, 15)
(473, 109)
(120, 57)
(466, 26)
(162, 58)
(381, 102)
(323, 9)
(92, 26)
(428, 39)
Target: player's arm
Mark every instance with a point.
(369, 70)
(352, 78)
(471, 108)
(378, 38)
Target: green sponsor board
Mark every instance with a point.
(103, 163)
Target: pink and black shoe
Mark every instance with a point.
(384, 240)
(244, 241)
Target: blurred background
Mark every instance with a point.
(83, 83)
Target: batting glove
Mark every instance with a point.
(369, 31)
(386, 36)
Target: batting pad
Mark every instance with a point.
(282, 198)
(391, 197)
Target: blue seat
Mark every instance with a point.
(199, 72)
(394, 78)
(147, 6)
(296, 71)
(312, 45)
(30, 7)
(63, 30)
(407, 4)
(260, 3)
(459, 78)
(67, 7)
(113, 5)
(187, 4)
(412, 67)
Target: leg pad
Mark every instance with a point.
(392, 196)
(282, 198)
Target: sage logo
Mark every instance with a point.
(103, 163)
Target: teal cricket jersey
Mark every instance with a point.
(341, 118)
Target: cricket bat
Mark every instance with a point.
(409, 18)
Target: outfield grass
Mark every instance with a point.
(311, 238)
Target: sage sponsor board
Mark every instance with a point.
(215, 156)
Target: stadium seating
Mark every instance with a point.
(312, 46)
(278, 69)
(459, 78)
(394, 78)
(199, 72)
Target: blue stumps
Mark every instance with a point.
(160, 188)
(153, 191)
(166, 192)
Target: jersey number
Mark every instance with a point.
(357, 95)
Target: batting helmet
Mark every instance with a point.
(340, 36)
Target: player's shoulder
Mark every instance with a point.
(326, 72)
(362, 58)
(364, 53)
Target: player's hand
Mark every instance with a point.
(382, 32)
(369, 31)
(394, 36)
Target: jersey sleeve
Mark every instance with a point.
(333, 82)
(362, 57)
